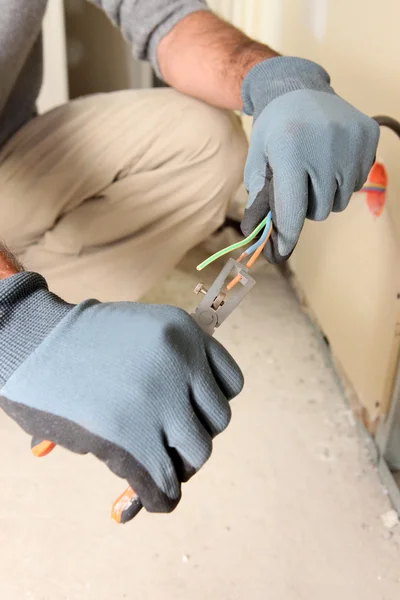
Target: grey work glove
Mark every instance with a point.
(139, 386)
(309, 149)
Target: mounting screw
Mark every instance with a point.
(200, 289)
(219, 301)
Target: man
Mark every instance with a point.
(105, 194)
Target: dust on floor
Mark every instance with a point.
(288, 508)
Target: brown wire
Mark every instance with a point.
(251, 261)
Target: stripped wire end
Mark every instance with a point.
(254, 249)
(233, 247)
(252, 260)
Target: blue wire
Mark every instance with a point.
(371, 188)
(254, 247)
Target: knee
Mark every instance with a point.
(214, 138)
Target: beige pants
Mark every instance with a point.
(105, 194)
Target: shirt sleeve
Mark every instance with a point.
(145, 22)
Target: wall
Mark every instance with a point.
(55, 79)
(353, 284)
(99, 58)
(262, 19)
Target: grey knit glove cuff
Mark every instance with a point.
(277, 76)
(28, 312)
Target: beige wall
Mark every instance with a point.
(55, 77)
(99, 58)
(349, 266)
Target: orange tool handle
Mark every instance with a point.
(124, 508)
(41, 447)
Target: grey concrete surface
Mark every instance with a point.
(288, 508)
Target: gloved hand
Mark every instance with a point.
(309, 149)
(139, 386)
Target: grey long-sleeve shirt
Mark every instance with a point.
(143, 23)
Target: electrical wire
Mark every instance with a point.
(373, 188)
(252, 260)
(258, 243)
(384, 121)
(235, 246)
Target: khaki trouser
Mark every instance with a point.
(105, 194)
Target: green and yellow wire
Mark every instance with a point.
(254, 249)
(232, 247)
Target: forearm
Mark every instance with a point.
(9, 264)
(28, 312)
(207, 58)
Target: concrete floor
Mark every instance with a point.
(288, 508)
